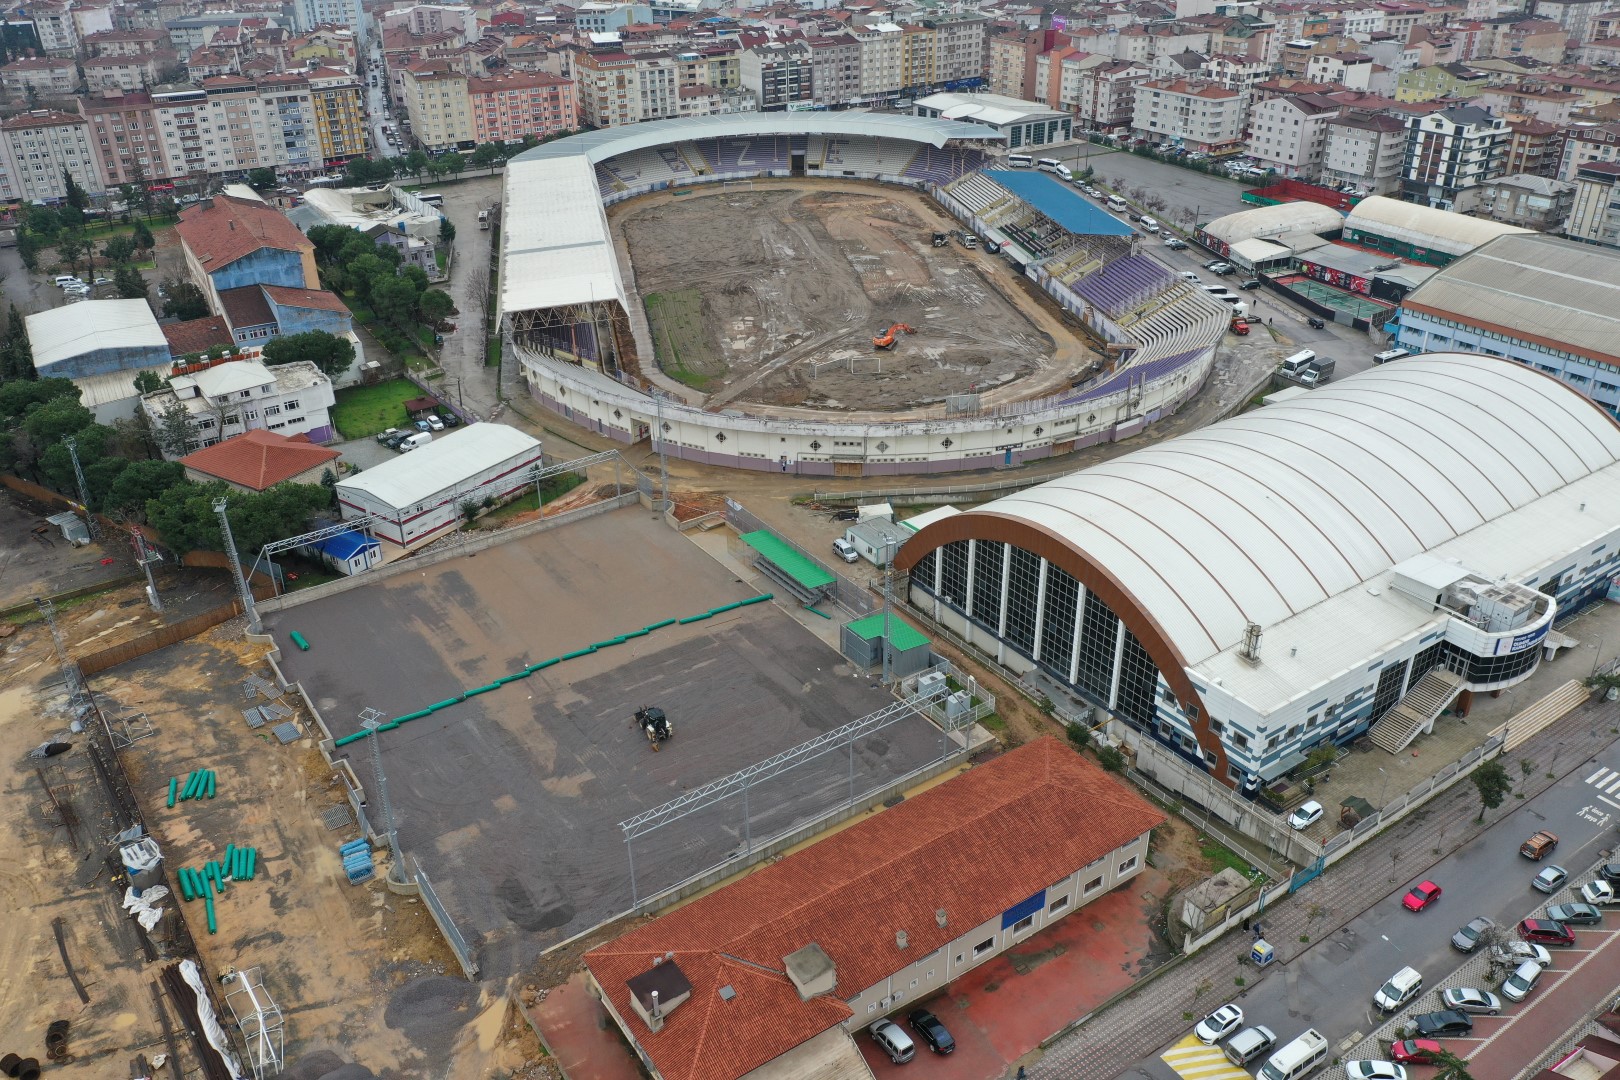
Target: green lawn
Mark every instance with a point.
(552, 488)
(366, 410)
(681, 337)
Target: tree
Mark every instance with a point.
(119, 249)
(488, 154)
(149, 382)
(1451, 1067)
(329, 241)
(16, 355)
(69, 248)
(416, 161)
(28, 246)
(447, 230)
(1493, 783)
(330, 353)
(435, 305)
(142, 235)
(141, 482)
(453, 163)
(1111, 759)
(185, 300)
(18, 398)
(59, 417)
(395, 299)
(365, 273)
(76, 196)
(172, 431)
(129, 282)
(184, 514)
(261, 179)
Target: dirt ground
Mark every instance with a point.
(36, 561)
(792, 301)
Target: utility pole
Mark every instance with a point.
(371, 720)
(254, 625)
(663, 461)
(888, 646)
(84, 489)
(146, 559)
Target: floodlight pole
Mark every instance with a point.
(146, 564)
(663, 461)
(84, 488)
(254, 625)
(371, 720)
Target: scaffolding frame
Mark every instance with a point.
(259, 1019)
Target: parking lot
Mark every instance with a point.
(512, 800)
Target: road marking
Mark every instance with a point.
(1192, 1060)
(1612, 786)
(1600, 774)
(1611, 802)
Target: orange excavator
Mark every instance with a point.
(887, 339)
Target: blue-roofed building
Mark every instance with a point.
(1060, 202)
(350, 552)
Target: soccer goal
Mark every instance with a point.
(736, 185)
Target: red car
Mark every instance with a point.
(1415, 1052)
(1240, 328)
(1421, 896)
(1546, 932)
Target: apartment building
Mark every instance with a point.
(1289, 134)
(1449, 151)
(1594, 214)
(1533, 148)
(125, 43)
(245, 395)
(438, 104)
(779, 74)
(718, 66)
(308, 14)
(39, 77)
(1193, 113)
(54, 23)
(1529, 202)
(339, 103)
(122, 72)
(835, 69)
(1575, 16)
(1588, 144)
(509, 108)
(232, 124)
(882, 56)
(1105, 94)
(959, 49)
(709, 101)
(615, 88)
(1366, 150)
(124, 131)
(38, 147)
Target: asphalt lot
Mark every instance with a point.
(462, 355)
(511, 800)
(1330, 987)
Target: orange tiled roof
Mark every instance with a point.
(258, 459)
(232, 229)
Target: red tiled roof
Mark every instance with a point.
(197, 335)
(232, 229)
(304, 298)
(258, 459)
(245, 307)
(975, 846)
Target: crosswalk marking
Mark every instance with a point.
(1611, 788)
(1595, 777)
(1607, 781)
(1192, 1060)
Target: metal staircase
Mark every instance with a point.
(1416, 713)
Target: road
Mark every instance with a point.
(377, 106)
(1330, 987)
(462, 355)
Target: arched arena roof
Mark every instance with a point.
(611, 142)
(1425, 225)
(1278, 220)
(1259, 518)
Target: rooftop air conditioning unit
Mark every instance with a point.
(930, 684)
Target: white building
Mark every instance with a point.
(308, 14)
(421, 492)
(1365, 149)
(1289, 134)
(1450, 151)
(1192, 114)
(1026, 124)
(102, 345)
(245, 395)
(37, 147)
(882, 61)
(1282, 580)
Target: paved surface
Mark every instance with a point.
(1001, 1011)
(1334, 956)
(512, 799)
(582, 1036)
(462, 354)
(1192, 1060)
(366, 453)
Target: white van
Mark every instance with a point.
(1019, 161)
(1149, 224)
(1402, 987)
(1298, 1058)
(1116, 204)
(1049, 164)
(421, 438)
(1296, 363)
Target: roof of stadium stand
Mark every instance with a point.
(1059, 202)
(607, 143)
(1293, 515)
(561, 253)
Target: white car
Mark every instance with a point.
(434, 423)
(1517, 952)
(1219, 1024)
(1517, 986)
(1374, 1070)
(1306, 815)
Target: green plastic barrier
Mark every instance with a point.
(818, 611)
(643, 632)
(475, 691)
(542, 665)
(298, 640)
(610, 641)
(174, 789)
(696, 618)
(659, 625)
(577, 653)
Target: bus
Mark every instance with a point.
(1019, 161)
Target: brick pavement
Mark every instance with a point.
(1150, 1017)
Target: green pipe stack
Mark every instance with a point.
(238, 864)
(542, 665)
(199, 785)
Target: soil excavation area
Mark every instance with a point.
(773, 296)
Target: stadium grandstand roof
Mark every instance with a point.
(1273, 221)
(1425, 226)
(555, 246)
(1557, 293)
(611, 142)
(987, 109)
(1292, 516)
(1060, 203)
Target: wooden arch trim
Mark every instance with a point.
(1049, 545)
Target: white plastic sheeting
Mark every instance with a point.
(217, 1038)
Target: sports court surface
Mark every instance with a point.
(1355, 304)
(511, 800)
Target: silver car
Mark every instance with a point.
(1550, 879)
(1467, 938)
(1514, 953)
(893, 1040)
(1517, 986)
(1466, 999)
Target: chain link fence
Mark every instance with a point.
(447, 926)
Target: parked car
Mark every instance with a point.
(1610, 872)
(1175, 243)
(1219, 1024)
(927, 1025)
(1551, 879)
(1220, 269)
(1467, 938)
(1372, 1069)
(1469, 1000)
(845, 550)
(1546, 932)
(63, 280)
(433, 422)
(1575, 914)
(1248, 1044)
(1539, 846)
(1187, 275)
(1421, 896)
(1315, 323)
(1444, 1022)
(1306, 814)
(422, 425)
(1517, 986)
(1416, 1051)
(1401, 988)
(893, 1040)
(1514, 953)
(451, 420)
(1600, 894)
(386, 434)
(1249, 283)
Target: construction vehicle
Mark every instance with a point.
(887, 339)
(654, 724)
(940, 239)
